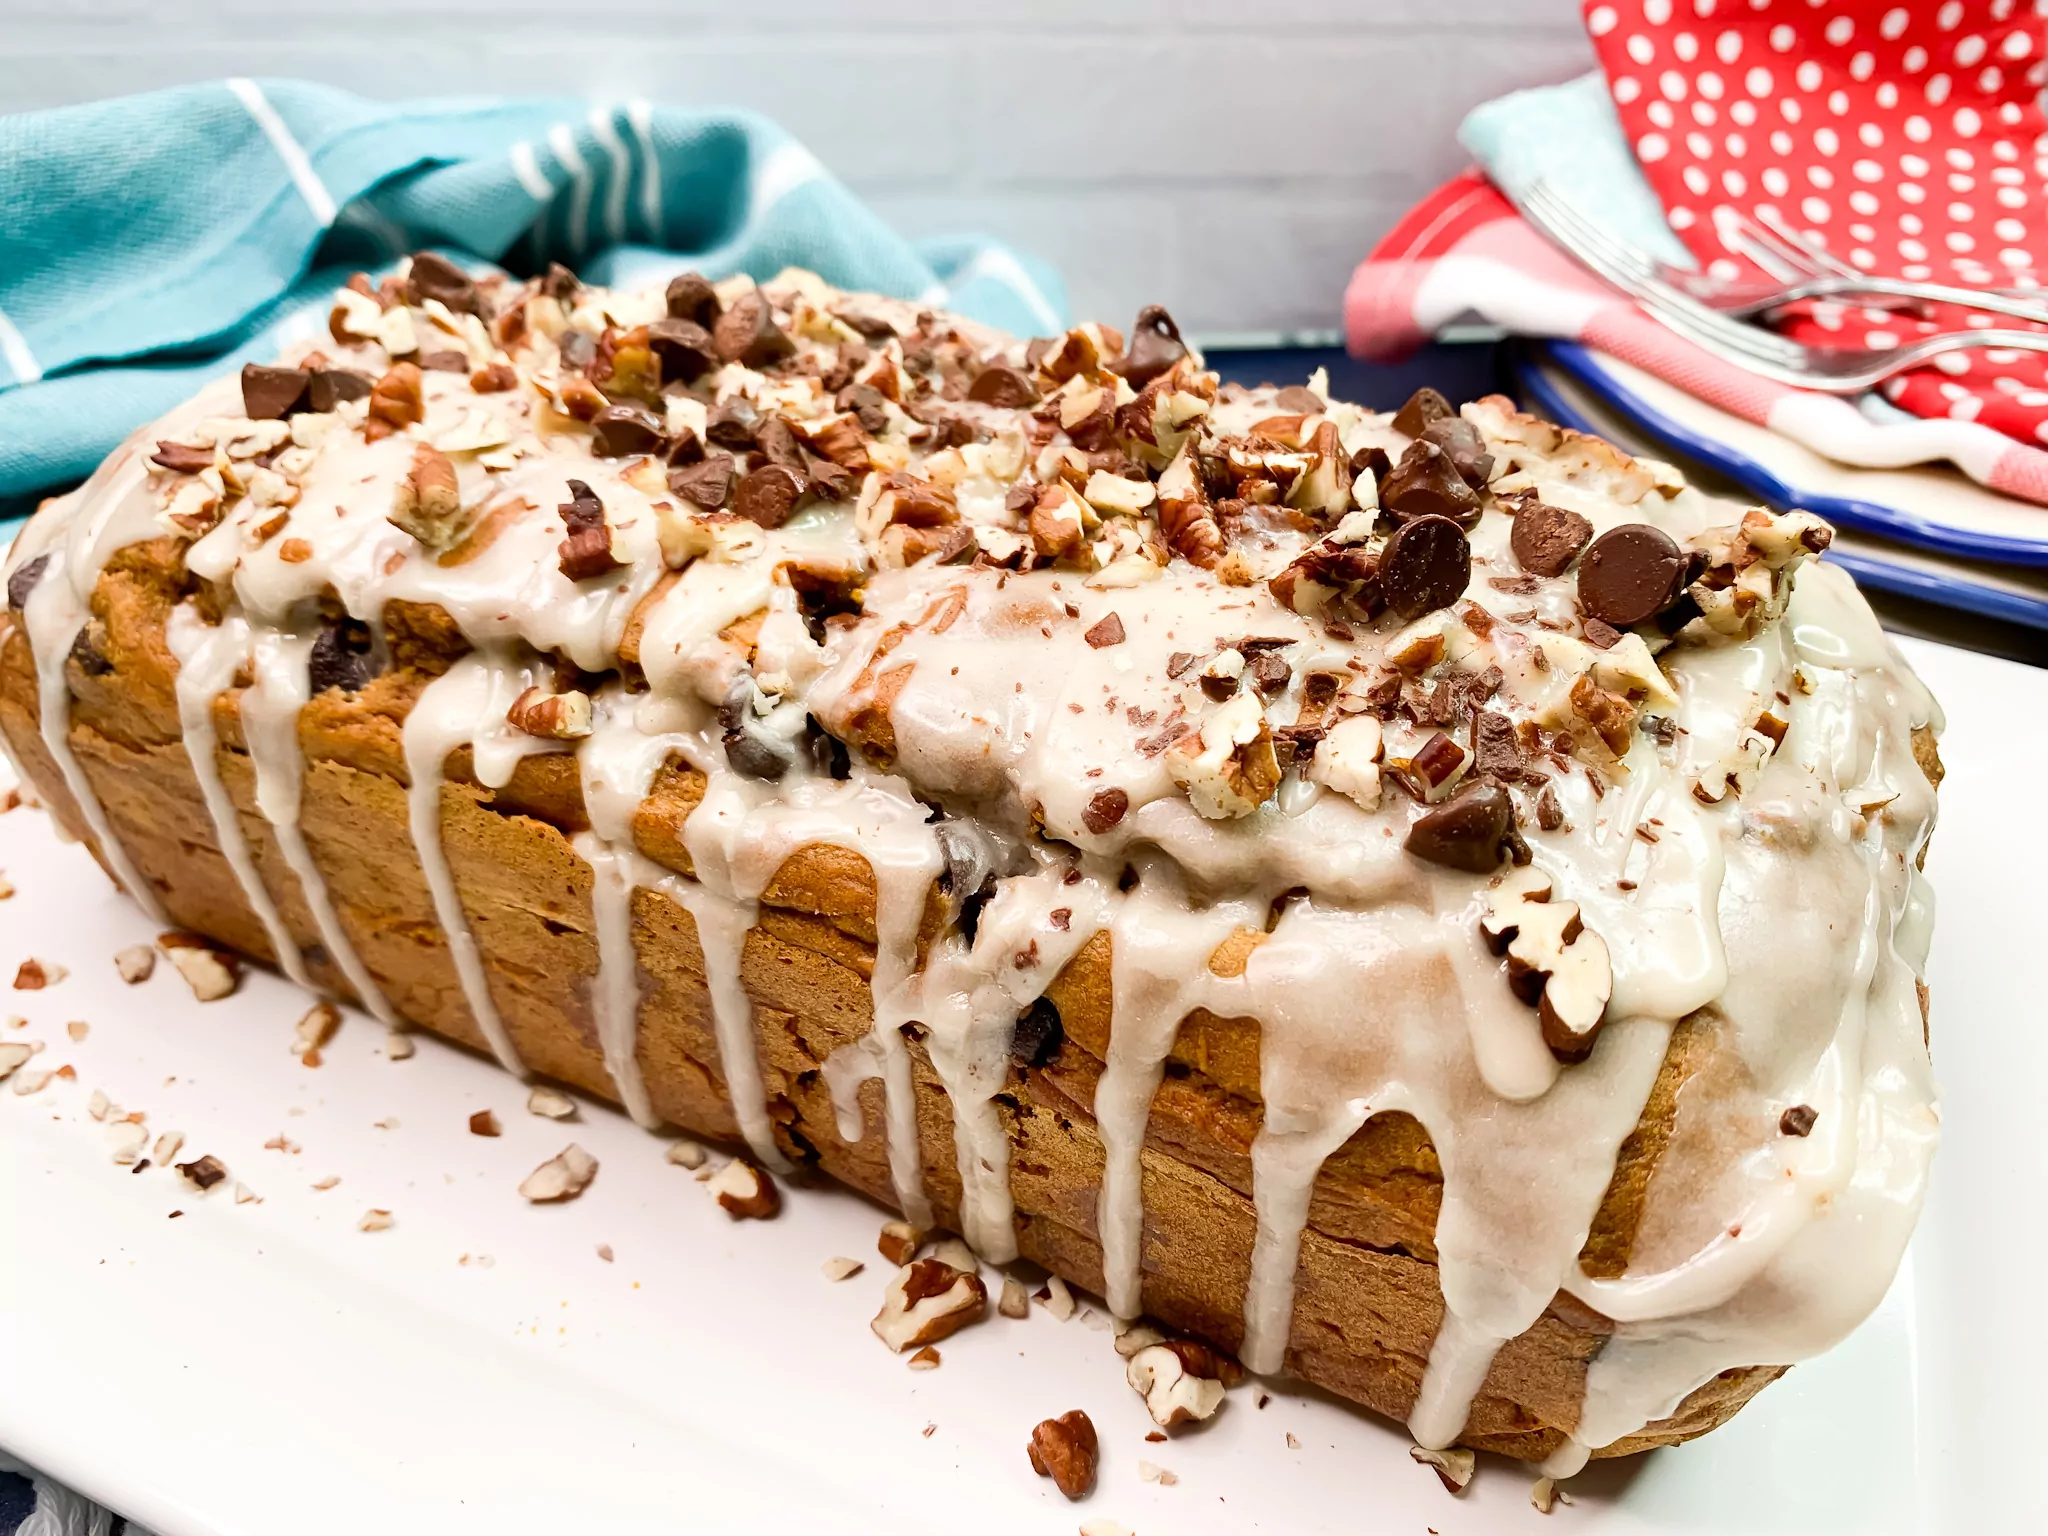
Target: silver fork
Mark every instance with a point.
(1805, 269)
(1827, 370)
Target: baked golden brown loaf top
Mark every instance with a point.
(1213, 794)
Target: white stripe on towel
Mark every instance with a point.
(562, 140)
(603, 125)
(14, 348)
(787, 168)
(641, 116)
(527, 168)
(304, 177)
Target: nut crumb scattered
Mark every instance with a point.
(484, 1123)
(136, 963)
(1055, 1297)
(551, 1102)
(388, 1123)
(926, 1359)
(280, 1143)
(744, 1192)
(26, 1083)
(374, 1220)
(842, 1269)
(1103, 1528)
(954, 1253)
(928, 1301)
(314, 1030)
(14, 1052)
(327, 1183)
(899, 1242)
(1015, 1301)
(127, 1139)
(1066, 1450)
(1292, 1443)
(1452, 1467)
(604, 1251)
(398, 1045)
(244, 1195)
(562, 1177)
(686, 1153)
(167, 1146)
(78, 1029)
(34, 975)
(1150, 1472)
(1543, 1494)
(926, 1432)
(211, 973)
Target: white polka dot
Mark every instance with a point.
(1737, 146)
(1686, 46)
(1967, 122)
(1950, 14)
(1914, 165)
(1911, 223)
(1869, 135)
(1957, 182)
(2033, 399)
(1912, 192)
(1789, 108)
(1672, 84)
(1954, 364)
(1641, 49)
(1966, 410)
(1891, 27)
(1743, 112)
(2010, 197)
(1991, 79)
(1887, 94)
(2004, 357)
(1815, 209)
(1820, 176)
(2016, 259)
(2009, 113)
(1681, 218)
(1918, 129)
(1758, 81)
(1695, 180)
(1704, 114)
(1969, 50)
(1660, 113)
(1862, 258)
(1962, 213)
(1807, 74)
(1953, 391)
(2007, 175)
(1600, 20)
(2017, 45)
(1840, 30)
(1724, 269)
(1919, 273)
(1867, 170)
(1627, 88)
(1864, 203)
(1862, 66)
(1880, 339)
(2010, 229)
(1728, 47)
(1781, 141)
(1701, 146)
(1913, 60)
(1937, 90)
(1827, 315)
(1782, 38)
(1958, 240)
(1709, 85)
(1775, 181)
(1838, 103)
(1735, 183)
(1656, 12)
(1827, 141)
(1652, 147)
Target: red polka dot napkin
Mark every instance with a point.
(1904, 139)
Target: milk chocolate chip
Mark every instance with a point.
(683, 346)
(691, 297)
(1155, 347)
(1000, 384)
(271, 394)
(436, 277)
(1426, 565)
(1474, 830)
(747, 333)
(707, 483)
(1427, 484)
(1547, 539)
(1631, 574)
(618, 431)
(23, 581)
(768, 495)
(1463, 446)
(1423, 407)
(1039, 1034)
(1106, 808)
(330, 387)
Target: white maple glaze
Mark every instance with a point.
(1372, 988)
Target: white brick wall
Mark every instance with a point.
(1229, 158)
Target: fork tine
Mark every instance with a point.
(1747, 341)
(1575, 232)
(1800, 249)
(1746, 237)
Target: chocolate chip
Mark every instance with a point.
(1371, 460)
(23, 581)
(1155, 347)
(86, 652)
(271, 394)
(1269, 673)
(1631, 574)
(1426, 565)
(1105, 631)
(1601, 635)
(1472, 831)
(768, 495)
(560, 284)
(1464, 447)
(1001, 385)
(833, 483)
(1217, 686)
(1495, 751)
(691, 297)
(1549, 811)
(778, 445)
(1180, 663)
(732, 425)
(183, 458)
(343, 656)
(578, 349)
(330, 387)
(1798, 1120)
(684, 348)
(587, 552)
(1423, 407)
(1547, 539)
(620, 430)
(1426, 484)
(747, 334)
(1299, 399)
(751, 755)
(203, 1171)
(707, 483)
(868, 405)
(445, 362)
(436, 277)
(1039, 1034)
(1106, 808)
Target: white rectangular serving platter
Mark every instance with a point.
(253, 1369)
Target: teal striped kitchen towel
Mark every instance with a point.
(151, 242)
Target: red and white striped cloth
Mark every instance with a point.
(1463, 253)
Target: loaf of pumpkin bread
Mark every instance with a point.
(1424, 902)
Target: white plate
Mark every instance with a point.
(249, 1369)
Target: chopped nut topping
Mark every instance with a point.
(552, 716)
(1065, 1449)
(842, 1269)
(686, 1154)
(211, 973)
(1554, 963)
(1452, 1467)
(562, 1177)
(484, 1123)
(374, 1220)
(899, 1242)
(1013, 1301)
(551, 1102)
(1173, 1392)
(928, 1301)
(313, 1031)
(428, 503)
(33, 975)
(745, 1192)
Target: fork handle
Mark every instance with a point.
(1991, 301)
